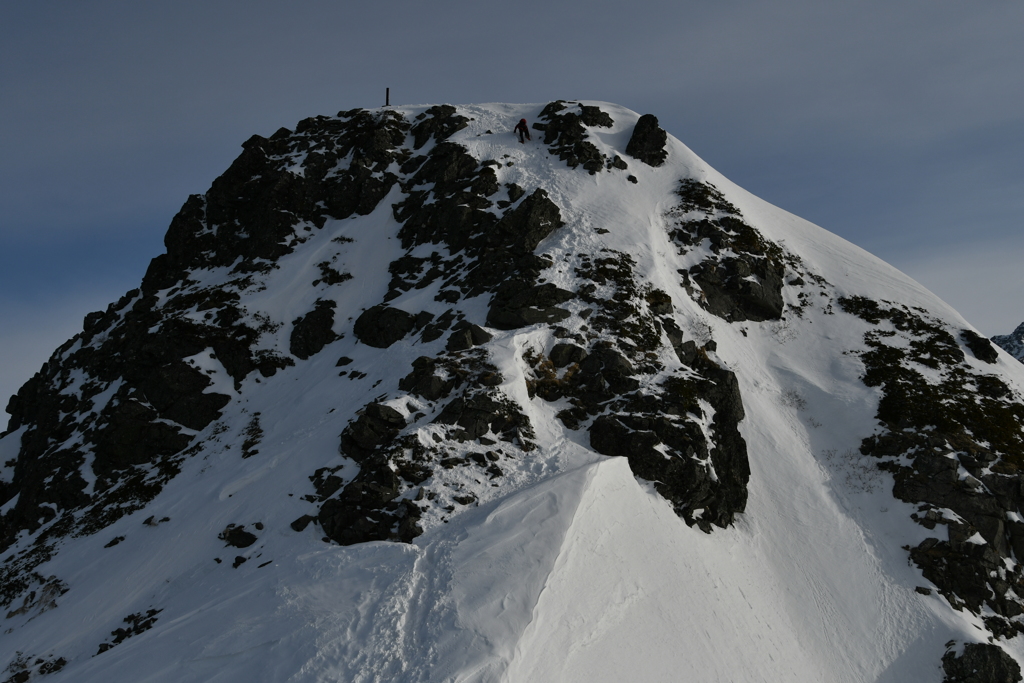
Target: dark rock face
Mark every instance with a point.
(480, 413)
(461, 187)
(564, 354)
(381, 326)
(367, 510)
(425, 380)
(137, 623)
(236, 536)
(133, 436)
(23, 668)
(252, 209)
(961, 435)
(656, 429)
(513, 306)
(981, 348)
(706, 483)
(137, 395)
(648, 141)
(489, 252)
(980, 663)
(466, 335)
(731, 295)
(521, 230)
(128, 386)
(313, 331)
(741, 279)
(565, 132)
(439, 123)
(376, 425)
(454, 213)
(378, 503)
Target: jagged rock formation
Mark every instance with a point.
(953, 440)
(647, 143)
(741, 279)
(1012, 343)
(979, 662)
(400, 320)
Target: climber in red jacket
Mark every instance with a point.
(522, 130)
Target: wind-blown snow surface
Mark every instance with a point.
(572, 570)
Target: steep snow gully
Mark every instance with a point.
(407, 400)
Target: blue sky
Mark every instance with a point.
(895, 125)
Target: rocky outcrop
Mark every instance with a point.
(438, 123)
(137, 395)
(255, 208)
(23, 668)
(661, 429)
(980, 663)
(377, 424)
(137, 623)
(740, 274)
(479, 413)
(953, 443)
(740, 289)
(385, 500)
(487, 250)
(313, 331)
(235, 536)
(648, 141)
(466, 335)
(706, 482)
(981, 348)
(515, 306)
(381, 326)
(565, 132)
(428, 380)
(367, 509)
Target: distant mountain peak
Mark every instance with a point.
(1012, 343)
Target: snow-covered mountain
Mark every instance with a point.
(1012, 343)
(407, 400)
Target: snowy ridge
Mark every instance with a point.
(393, 469)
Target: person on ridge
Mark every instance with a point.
(522, 130)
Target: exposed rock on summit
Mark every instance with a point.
(648, 141)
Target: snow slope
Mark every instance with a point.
(572, 569)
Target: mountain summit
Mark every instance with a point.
(407, 400)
